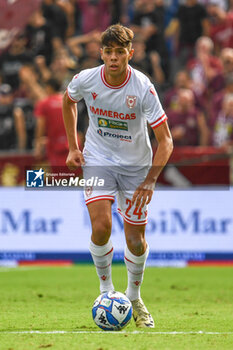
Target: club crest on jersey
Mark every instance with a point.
(88, 191)
(131, 101)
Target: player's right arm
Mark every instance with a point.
(75, 157)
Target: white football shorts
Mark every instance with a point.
(117, 185)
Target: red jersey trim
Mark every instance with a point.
(132, 222)
(159, 121)
(71, 99)
(98, 198)
(115, 87)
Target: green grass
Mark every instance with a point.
(48, 299)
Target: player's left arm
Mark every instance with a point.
(144, 192)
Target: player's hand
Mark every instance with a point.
(75, 159)
(143, 193)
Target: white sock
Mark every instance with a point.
(135, 267)
(102, 258)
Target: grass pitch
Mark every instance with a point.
(45, 300)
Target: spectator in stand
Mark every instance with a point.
(204, 69)
(226, 58)
(161, 46)
(189, 24)
(48, 112)
(227, 61)
(218, 98)
(24, 111)
(148, 23)
(61, 68)
(148, 64)
(69, 7)
(145, 22)
(182, 81)
(13, 59)
(95, 14)
(56, 17)
(188, 125)
(221, 3)
(40, 36)
(12, 124)
(86, 49)
(222, 124)
(29, 81)
(122, 11)
(91, 57)
(221, 26)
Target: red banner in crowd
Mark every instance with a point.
(198, 166)
(14, 15)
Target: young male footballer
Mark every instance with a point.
(120, 102)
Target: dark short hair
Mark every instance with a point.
(117, 34)
(54, 84)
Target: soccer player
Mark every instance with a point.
(120, 101)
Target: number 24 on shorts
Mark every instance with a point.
(137, 211)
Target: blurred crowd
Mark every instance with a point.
(185, 47)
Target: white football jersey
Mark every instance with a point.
(118, 116)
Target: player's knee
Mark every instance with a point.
(137, 245)
(101, 231)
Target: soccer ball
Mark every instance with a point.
(112, 311)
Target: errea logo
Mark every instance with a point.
(94, 95)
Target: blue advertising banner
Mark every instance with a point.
(192, 225)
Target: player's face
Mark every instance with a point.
(116, 59)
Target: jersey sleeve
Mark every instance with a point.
(152, 108)
(74, 90)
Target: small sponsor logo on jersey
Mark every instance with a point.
(100, 132)
(112, 124)
(152, 90)
(102, 122)
(120, 137)
(131, 101)
(94, 95)
(76, 76)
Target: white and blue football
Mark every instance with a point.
(112, 311)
